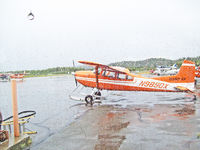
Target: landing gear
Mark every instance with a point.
(95, 95)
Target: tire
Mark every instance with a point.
(89, 99)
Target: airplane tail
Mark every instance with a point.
(186, 74)
(187, 71)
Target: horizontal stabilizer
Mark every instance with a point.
(183, 89)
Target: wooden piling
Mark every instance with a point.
(15, 109)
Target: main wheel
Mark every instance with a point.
(89, 99)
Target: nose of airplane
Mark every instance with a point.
(82, 73)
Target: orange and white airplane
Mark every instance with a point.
(117, 78)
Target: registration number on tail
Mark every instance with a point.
(153, 84)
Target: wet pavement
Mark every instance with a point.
(107, 127)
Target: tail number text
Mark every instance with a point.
(153, 84)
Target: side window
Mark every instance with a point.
(122, 76)
(104, 73)
(111, 74)
(130, 78)
(99, 70)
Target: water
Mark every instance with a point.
(49, 97)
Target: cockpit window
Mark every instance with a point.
(122, 76)
(104, 73)
(99, 71)
(109, 74)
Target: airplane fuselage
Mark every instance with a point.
(129, 83)
(117, 78)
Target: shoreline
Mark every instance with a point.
(50, 75)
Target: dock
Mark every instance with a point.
(16, 143)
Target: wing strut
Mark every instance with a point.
(97, 79)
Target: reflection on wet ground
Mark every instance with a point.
(108, 131)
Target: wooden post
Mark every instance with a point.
(15, 110)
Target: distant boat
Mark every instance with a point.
(4, 78)
(19, 76)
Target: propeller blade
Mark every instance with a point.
(76, 81)
(74, 74)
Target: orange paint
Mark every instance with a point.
(15, 109)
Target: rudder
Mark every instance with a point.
(187, 71)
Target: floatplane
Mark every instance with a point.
(106, 77)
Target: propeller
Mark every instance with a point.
(74, 74)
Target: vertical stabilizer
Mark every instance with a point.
(187, 71)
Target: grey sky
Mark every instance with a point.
(104, 31)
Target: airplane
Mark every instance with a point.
(106, 77)
(162, 70)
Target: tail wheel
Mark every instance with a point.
(89, 99)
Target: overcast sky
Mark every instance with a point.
(103, 31)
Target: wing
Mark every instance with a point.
(109, 68)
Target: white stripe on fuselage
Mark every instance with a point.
(191, 65)
(143, 83)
